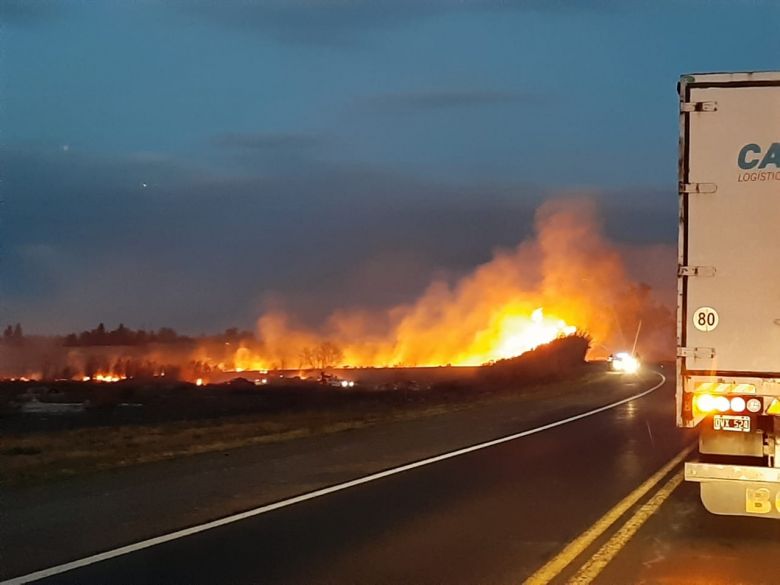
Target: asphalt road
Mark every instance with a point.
(496, 515)
(54, 522)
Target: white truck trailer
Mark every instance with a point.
(728, 316)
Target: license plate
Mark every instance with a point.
(731, 422)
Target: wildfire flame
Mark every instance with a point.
(245, 360)
(103, 377)
(518, 335)
(510, 332)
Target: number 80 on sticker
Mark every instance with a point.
(705, 319)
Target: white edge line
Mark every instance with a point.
(130, 548)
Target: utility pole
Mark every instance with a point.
(636, 338)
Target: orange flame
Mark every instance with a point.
(103, 377)
(518, 335)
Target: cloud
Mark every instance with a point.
(448, 99)
(345, 23)
(312, 22)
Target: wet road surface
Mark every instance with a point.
(497, 515)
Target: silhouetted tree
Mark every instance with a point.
(13, 335)
(329, 355)
(322, 356)
(306, 358)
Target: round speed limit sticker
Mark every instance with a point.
(705, 319)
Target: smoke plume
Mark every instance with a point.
(568, 269)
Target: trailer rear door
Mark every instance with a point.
(729, 320)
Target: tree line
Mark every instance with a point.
(100, 336)
(123, 336)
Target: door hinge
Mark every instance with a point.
(698, 187)
(698, 353)
(698, 106)
(695, 271)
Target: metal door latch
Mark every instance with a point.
(697, 353)
(698, 106)
(698, 188)
(695, 271)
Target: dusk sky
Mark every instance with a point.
(191, 163)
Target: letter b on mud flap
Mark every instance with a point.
(759, 500)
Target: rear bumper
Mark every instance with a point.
(704, 472)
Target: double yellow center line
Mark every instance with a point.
(607, 552)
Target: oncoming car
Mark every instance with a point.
(624, 362)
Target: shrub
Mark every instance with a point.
(551, 361)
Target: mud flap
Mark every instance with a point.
(736, 490)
